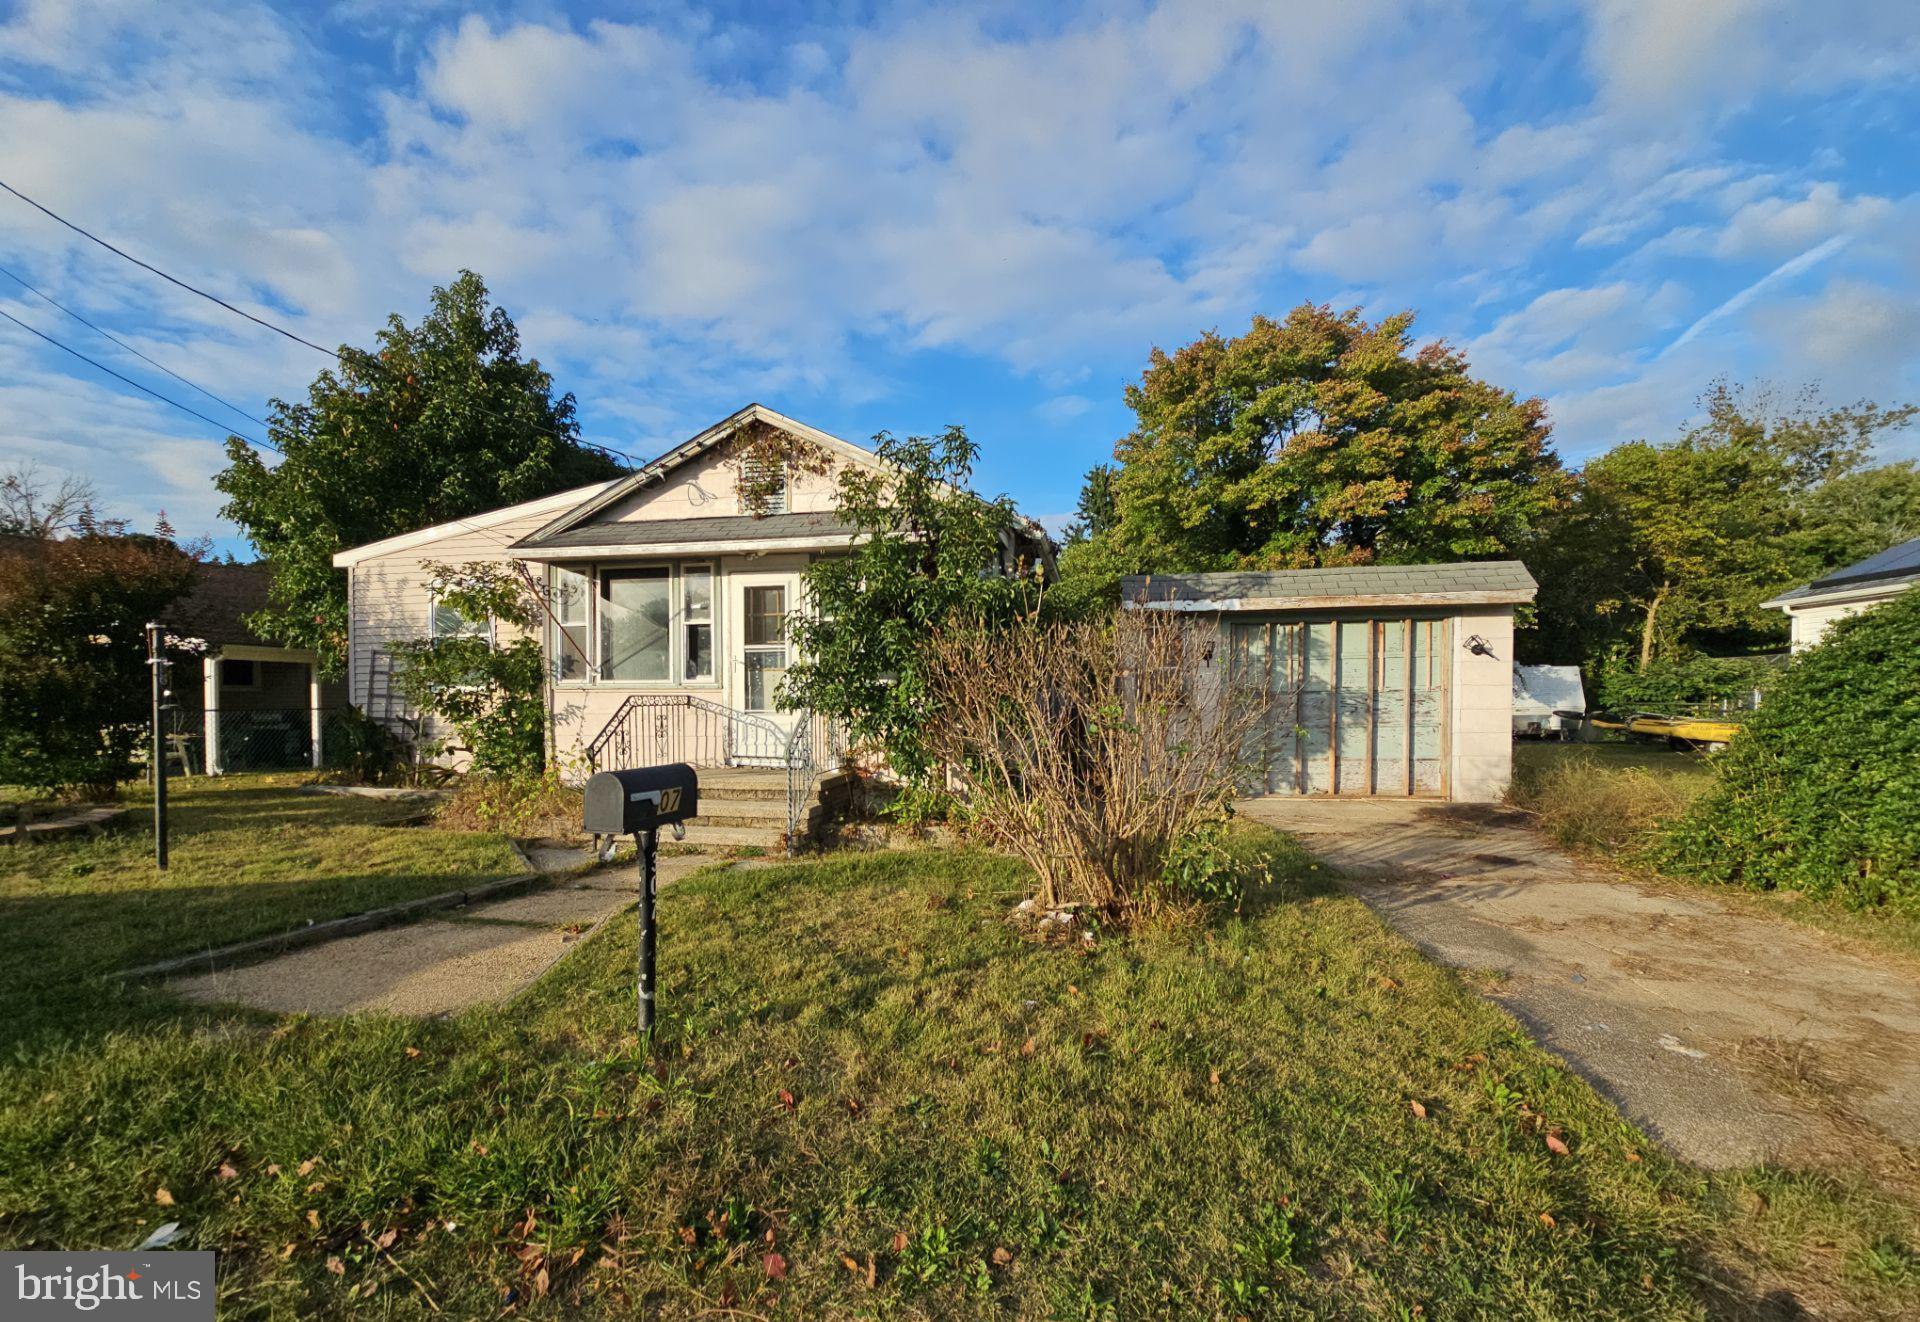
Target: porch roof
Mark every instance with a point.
(733, 532)
(1482, 582)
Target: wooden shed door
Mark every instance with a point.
(1347, 706)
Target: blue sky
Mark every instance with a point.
(898, 216)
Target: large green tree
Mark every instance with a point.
(441, 420)
(1671, 547)
(1324, 439)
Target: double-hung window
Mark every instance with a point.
(636, 610)
(572, 593)
(446, 622)
(764, 646)
(696, 613)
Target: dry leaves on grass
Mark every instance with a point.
(163, 1196)
(1557, 1145)
(1419, 1111)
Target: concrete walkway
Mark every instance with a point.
(1731, 1037)
(456, 959)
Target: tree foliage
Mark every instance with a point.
(1670, 547)
(1817, 791)
(929, 550)
(1325, 439)
(442, 420)
(74, 685)
(489, 686)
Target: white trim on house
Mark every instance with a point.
(559, 501)
(691, 550)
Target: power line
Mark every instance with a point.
(102, 331)
(148, 390)
(278, 330)
(192, 289)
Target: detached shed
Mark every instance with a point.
(1391, 680)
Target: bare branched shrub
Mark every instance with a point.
(1088, 749)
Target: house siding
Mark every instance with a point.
(708, 487)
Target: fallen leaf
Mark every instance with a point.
(853, 1106)
(873, 1273)
(1001, 1257)
(786, 1099)
(163, 1197)
(689, 1236)
(899, 1241)
(385, 1241)
(273, 1168)
(775, 1267)
(287, 1251)
(1419, 1111)
(316, 1186)
(337, 1267)
(227, 1172)
(540, 1281)
(478, 1147)
(1556, 1145)
(1072, 990)
(851, 1263)
(1546, 1219)
(1388, 984)
(313, 1217)
(306, 1167)
(413, 1053)
(1633, 1156)
(1026, 1048)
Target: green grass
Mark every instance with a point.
(1606, 799)
(861, 1061)
(250, 856)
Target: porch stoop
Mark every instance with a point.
(747, 806)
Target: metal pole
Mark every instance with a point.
(156, 664)
(644, 842)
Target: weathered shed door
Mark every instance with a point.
(1347, 706)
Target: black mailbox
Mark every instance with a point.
(641, 799)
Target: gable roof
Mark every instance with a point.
(1894, 567)
(1488, 582)
(558, 501)
(684, 535)
(685, 452)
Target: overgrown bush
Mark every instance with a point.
(74, 685)
(1611, 799)
(489, 688)
(1088, 750)
(540, 804)
(1682, 685)
(1820, 790)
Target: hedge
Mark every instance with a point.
(1820, 790)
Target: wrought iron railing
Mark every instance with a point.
(651, 728)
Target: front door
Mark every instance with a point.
(1347, 706)
(762, 650)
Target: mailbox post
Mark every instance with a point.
(638, 802)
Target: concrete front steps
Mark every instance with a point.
(747, 807)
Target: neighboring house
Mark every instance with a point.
(668, 596)
(1810, 609)
(1386, 681)
(247, 704)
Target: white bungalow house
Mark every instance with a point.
(668, 595)
(1811, 608)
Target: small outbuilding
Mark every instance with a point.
(1377, 680)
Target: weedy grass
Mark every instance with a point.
(250, 856)
(871, 1094)
(1611, 801)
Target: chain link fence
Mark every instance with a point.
(262, 739)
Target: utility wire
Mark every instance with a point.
(135, 384)
(104, 332)
(192, 289)
(261, 321)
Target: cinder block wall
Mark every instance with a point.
(1482, 706)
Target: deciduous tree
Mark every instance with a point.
(442, 420)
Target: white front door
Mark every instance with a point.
(761, 649)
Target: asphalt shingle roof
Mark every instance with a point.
(662, 532)
(1501, 579)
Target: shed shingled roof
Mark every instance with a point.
(1478, 580)
(662, 532)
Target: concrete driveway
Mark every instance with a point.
(1731, 1037)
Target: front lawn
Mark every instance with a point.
(251, 856)
(871, 1095)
